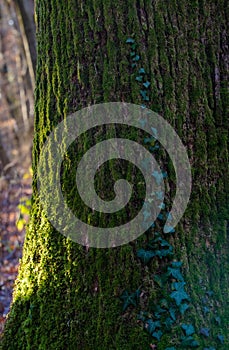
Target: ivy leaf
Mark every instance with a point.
(146, 214)
(151, 325)
(161, 206)
(142, 122)
(189, 341)
(136, 58)
(149, 139)
(165, 243)
(160, 216)
(159, 280)
(157, 235)
(137, 293)
(183, 308)
(145, 255)
(211, 348)
(164, 252)
(130, 299)
(169, 229)
(130, 41)
(168, 323)
(146, 84)
(133, 65)
(154, 148)
(158, 176)
(141, 318)
(158, 312)
(177, 264)
(164, 303)
(178, 285)
(160, 195)
(188, 329)
(169, 216)
(146, 205)
(210, 293)
(204, 300)
(171, 348)
(179, 296)
(133, 53)
(218, 320)
(157, 335)
(157, 244)
(220, 337)
(205, 332)
(144, 95)
(150, 199)
(206, 310)
(172, 313)
(141, 71)
(154, 132)
(152, 242)
(175, 273)
(139, 78)
(145, 162)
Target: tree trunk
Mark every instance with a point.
(25, 14)
(67, 296)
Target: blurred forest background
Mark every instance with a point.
(17, 78)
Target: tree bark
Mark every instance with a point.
(67, 296)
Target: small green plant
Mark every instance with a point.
(24, 206)
(24, 211)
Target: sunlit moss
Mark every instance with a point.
(65, 296)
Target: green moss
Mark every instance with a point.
(67, 297)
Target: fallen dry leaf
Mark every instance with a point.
(153, 346)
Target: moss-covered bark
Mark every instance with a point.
(66, 296)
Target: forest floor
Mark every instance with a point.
(13, 191)
(16, 129)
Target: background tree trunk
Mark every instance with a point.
(25, 14)
(17, 85)
(67, 296)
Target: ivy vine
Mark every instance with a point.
(169, 313)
